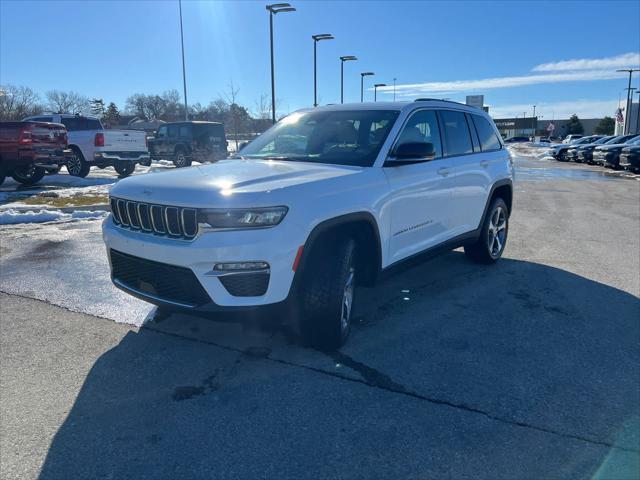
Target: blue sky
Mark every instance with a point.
(516, 53)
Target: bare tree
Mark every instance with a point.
(18, 102)
(67, 102)
(231, 95)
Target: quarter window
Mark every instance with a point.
(457, 139)
(488, 138)
(422, 127)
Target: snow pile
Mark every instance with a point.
(12, 216)
(536, 150)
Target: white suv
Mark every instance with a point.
(323, 201)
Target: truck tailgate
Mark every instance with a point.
(124, 141)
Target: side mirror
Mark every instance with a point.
(411, 152)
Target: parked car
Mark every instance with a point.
(28, 150)
(584, 153)
(630, 157)
(93, 145)
(363, 188)
(184, 142)
(571, 138)
(571, 153)
(516, 139)
(609, 155)
(559, 152)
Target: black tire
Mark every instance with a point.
(180, 158)
(77, 165)
(55, 171)
(28, 175)
(562, 157)
(490, 245)
(325, 316)
(124, 169)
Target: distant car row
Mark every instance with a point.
(613, 151)
(44, 143)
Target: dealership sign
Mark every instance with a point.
(475, 101)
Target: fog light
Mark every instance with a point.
(240, 266)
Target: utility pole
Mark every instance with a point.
(184, 75)
(629, 99)
(535, 124)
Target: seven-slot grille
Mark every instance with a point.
(175, 222)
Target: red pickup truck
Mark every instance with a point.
(29, 149)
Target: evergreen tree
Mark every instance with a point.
(97, 107)
(112, 115)
(606, 126)
(574, 125)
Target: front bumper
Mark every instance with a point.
(585, 155)
(630, 160)
(276, 246)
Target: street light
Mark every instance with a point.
(535, 124)
(184, 76)
(346, 58)
(638, 113)
(273, 9)
(375, 90)
(362, 75)
(316, 39)
(629, 98)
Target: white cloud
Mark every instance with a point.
(577, 70)
(625, 60)
(559, 110)
(416, 89)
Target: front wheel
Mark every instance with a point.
(28, 175)
(328, 295)
(493, 235)
(124, 169)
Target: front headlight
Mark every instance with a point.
(242, 217)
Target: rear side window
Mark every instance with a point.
(74, 124)
(457, 139)
(42, 119)
(173, 130)
(216, 131)
(488, 138)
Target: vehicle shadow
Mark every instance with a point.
(539, 363)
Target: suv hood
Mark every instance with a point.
(227, 182)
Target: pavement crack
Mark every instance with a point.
(375, 379)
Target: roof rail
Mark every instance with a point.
(436, 100)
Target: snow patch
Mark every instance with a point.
(13, 216)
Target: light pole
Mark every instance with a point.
(535, 124)
(375, 90)
(273, 9)
(362, 75)
(627, 112)
(638, 113)
(184, 75)
(316, 39)
(394, 89)
(346, 58)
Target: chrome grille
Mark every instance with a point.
(168, 221)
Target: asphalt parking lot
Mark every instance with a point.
(526, 369)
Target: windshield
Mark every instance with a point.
(349, 137)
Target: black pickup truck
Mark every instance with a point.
(28, 150)
(184, 142)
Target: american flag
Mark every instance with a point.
(619, 117)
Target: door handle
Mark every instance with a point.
(484, 163)
(444, 171)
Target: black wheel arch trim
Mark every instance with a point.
(333, 223)
(500, 183)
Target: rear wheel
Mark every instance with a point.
(76, 164)
(28, 175)
(180, 159)
(124, 169)
(493, 236)
(328, 295)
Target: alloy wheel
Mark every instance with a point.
(347, 301)
(497, 232)
(73, 165)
